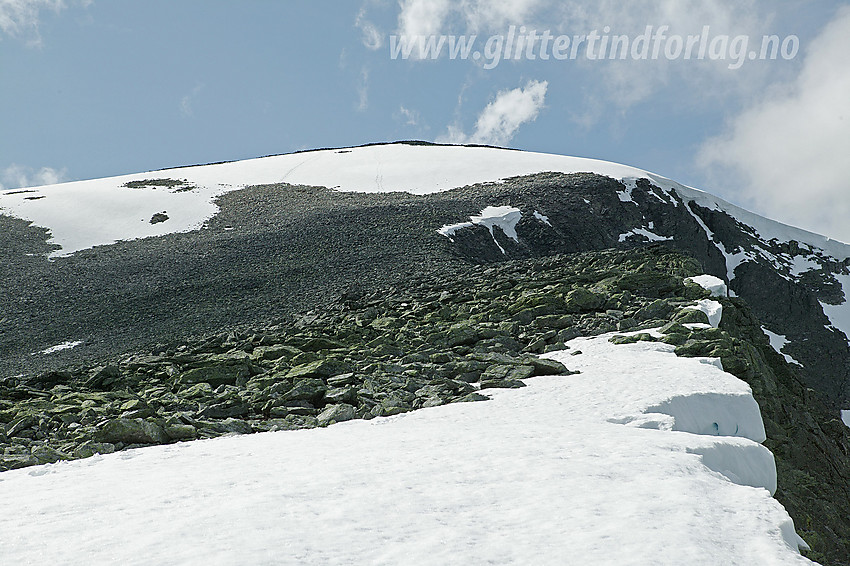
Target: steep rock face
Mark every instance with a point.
(589, 212)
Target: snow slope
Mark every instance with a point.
(642, 458)
(83, 214)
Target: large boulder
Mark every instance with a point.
(320, 369)
(131, 431)
(337, 414)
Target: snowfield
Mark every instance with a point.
(642, 458)
(83, 214)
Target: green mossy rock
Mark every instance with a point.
(131, 431)
(322, 369)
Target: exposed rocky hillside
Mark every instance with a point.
(589, 212)
(430, 341)
(204, 332)
(279, 248)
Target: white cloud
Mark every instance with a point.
(629, 82)
(788, 153)
(623, 83)
(426, 17)
(496, 15)
(499, 121)
(363, 90)
(422, 17)
(419, 19)
(20, 18)
(371, 36)
(407, 116)
(187, 100)
(17, 176)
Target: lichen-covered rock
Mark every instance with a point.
(180, 431)
(544, 366)
(89, 448)
(48, 455)
(215, 375)
(321, 369)
(131, 431)
(686, 316)
(306, 389)
(336, 414)
(581, 299)
(501, 384)
(502, 372)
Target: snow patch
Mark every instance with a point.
(845, 417)
(626, 194)
(839, 315)
(542, 218)
(715, 285)
(712, 309)
(714, 414)
(59, 347)
(801, 264)
(505, 217)
(777, 342)
(651, 236)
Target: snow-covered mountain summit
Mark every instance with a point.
(83, 214)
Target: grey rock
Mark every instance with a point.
(336, 414)
(104, 376)
(657, 310)
(16, 462)
(216, 375)
(472, 397)
(89, 448)
(545, 366)
(499, 372)
(235, 408)
(319, 369)
(321, 343)
(179, 431)
(342, 380)
(228, 426)
(501, 384)
(686, 316)
(341, 395)
(131, 431)
(276, 352)
(307, 389)
(582, 300)
(19, 425)
(48, 455)
(462, 334)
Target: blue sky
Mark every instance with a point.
(93, 89)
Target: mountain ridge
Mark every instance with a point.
(234, 253)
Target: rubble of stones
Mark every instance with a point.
(439, 340)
